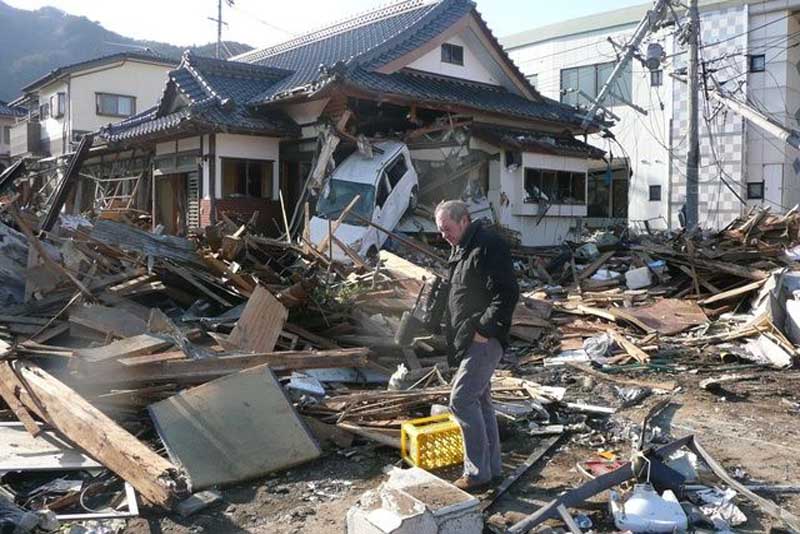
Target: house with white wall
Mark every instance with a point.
(8, 117)
(234, 136)
(76, 99)
(749, 47)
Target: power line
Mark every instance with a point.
(258, 19)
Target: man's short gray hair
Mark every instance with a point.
(455, 210)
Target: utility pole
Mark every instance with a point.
(693, 155)
(220, 22)
(648, 24)
(219, 29)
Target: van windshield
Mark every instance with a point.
(339, 194)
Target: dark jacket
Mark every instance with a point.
(483, 290)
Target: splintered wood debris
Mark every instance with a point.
(252, 352)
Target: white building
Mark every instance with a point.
(748, 46)
(80, 98)
(8, 116)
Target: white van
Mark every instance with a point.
(388, 186)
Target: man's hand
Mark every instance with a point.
(477, 338)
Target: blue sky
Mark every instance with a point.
(265, 22)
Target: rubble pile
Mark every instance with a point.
(158, 367)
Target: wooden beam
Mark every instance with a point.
(8, 390)
(195, 371)
(323, 246)
(132, 346)
(732, 293)
(158, 480)
(70, 179)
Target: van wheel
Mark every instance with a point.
(413, 200)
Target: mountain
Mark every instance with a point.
(32, 43)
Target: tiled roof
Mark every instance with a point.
(372, 39)
(215, 93)
(11, 111)
(66, 69)
(425, 87)
(533, 141)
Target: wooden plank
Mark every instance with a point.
(260, 324)
(194, 371)
(155, 478)
(38, 249)
(10, 397)
(131, 346)
(568, 520)
(186, 275)
(323, 246)
(732, 293)
(114, 321)
(383, 437)
(634, 351)
(350, 253)
(667, 316)
(544, 446)
(596, 264)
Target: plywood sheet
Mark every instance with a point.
(669, 316)
(261, 323)
(234, 428)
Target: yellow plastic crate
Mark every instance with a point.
(432, 442)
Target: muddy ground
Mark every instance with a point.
(751, 428)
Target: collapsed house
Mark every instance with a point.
(237, 137)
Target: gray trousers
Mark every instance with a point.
(471, 404)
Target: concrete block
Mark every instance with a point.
(414, 501)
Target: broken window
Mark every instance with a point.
(557, 187)
(396, 170)
(115, 105)
(246, 178)
(338, 194)
(453, 54)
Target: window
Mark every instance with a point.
(758, 63)
(383, 192)
(396, 170)
(115, 105)
(246, 178)
(533, 79)
(7, 135)
(453, 54)
(655, 193)
(656, 78)
(337, 194)
(755, 190)
(513, 157)
(44, 111)
(588, 80)
(556, 187)
(58, 104)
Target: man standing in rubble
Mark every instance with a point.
(483, 294)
